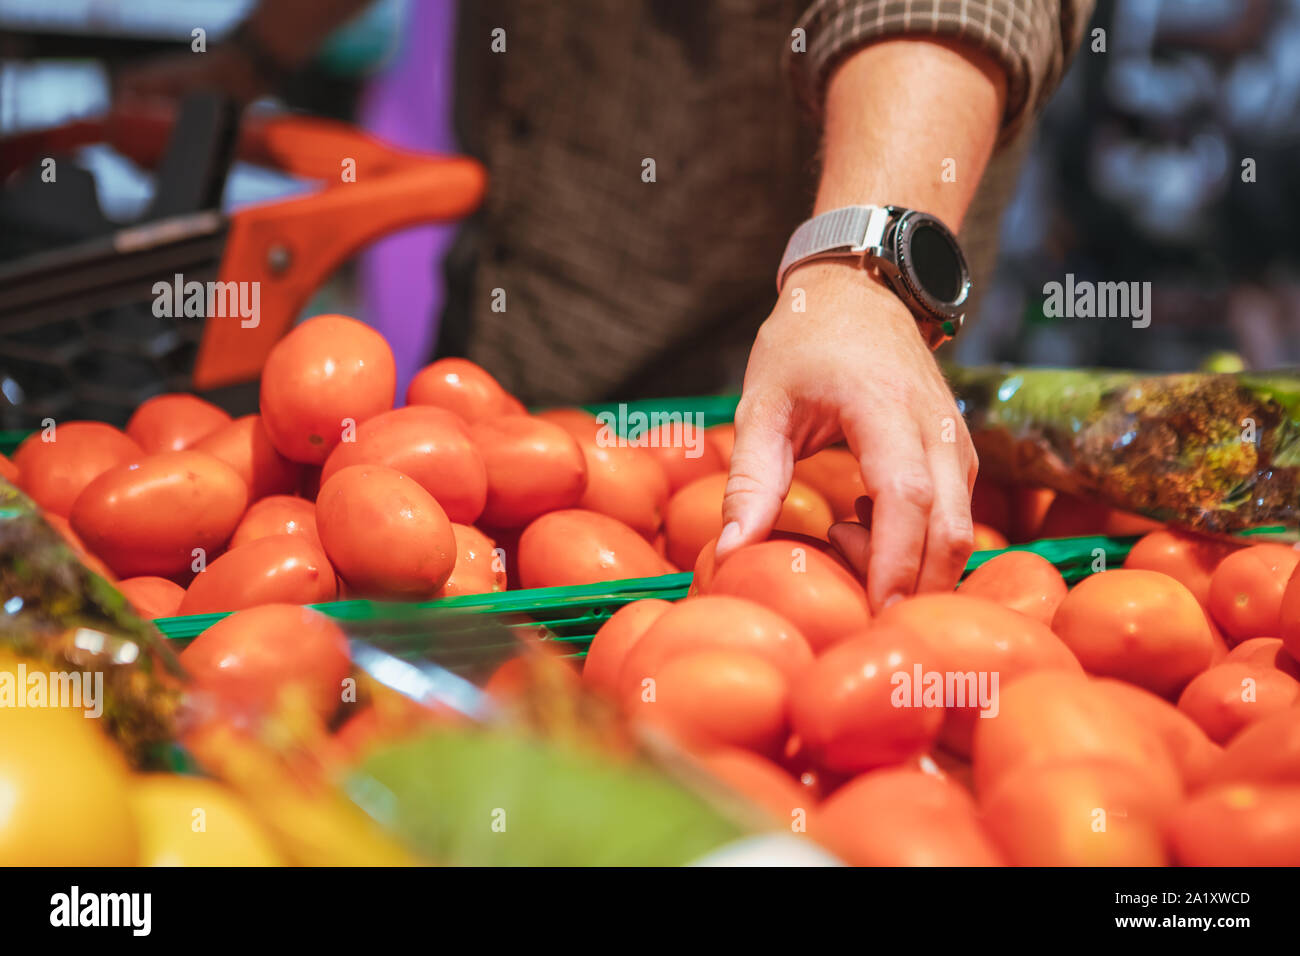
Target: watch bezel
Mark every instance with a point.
(944, 311)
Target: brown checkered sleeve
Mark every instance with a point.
(1033, 40)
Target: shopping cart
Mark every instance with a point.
(84, 325)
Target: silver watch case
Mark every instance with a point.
(885, 248)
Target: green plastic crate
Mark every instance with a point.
(574, 614)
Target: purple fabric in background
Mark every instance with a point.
(410, 105)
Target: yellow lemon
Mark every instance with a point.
(63, 785)
(191, 821)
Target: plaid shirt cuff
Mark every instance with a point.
(1033, 41)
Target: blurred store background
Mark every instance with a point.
(1137, 173)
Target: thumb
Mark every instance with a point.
(762, 464)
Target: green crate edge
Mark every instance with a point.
(576, 612)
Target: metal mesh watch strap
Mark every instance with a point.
(840, 232)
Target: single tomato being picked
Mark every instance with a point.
(806, 585)
(384, 533)
(322, 380)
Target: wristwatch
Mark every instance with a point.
(913, 251)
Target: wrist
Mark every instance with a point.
(841, 293)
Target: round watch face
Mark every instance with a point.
(934, 258)
(931, 265)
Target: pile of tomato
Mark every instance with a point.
(1149, 715)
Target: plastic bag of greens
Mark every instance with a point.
(1216, 453)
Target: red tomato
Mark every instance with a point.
(384, 534)
(280, 569)
(460, 386)
(974, 642)
(428, 444)
(717, 697)
(694, 516)
(903, 817)
(1247, 588)
(1239, 825)
(1289, 615)
(615, 638)
(533, 467)
(1186, 557)
(1192, 751)
(1089, 812)
(244, 445)
(836, 475)
(1054, 717)
(327, 376)
(764, 783)
(256, 657)
(479, 569)
(149, 517)
(56, 471)
(623, 482)
(1224, 699)
(572, 546)
(277, 514)
(683, 451)
(810, 589)
(854, 709)
(1140, 626)
(1265, 652)
(9, 471)
(152, 597)
(1267, 751)
(988, 538)
(174, 422)
(1020, 580)
(715, 622)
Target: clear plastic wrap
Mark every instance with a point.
(1215, 453)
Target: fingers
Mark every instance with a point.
(950, 536)
(762, 464)
(898, 481)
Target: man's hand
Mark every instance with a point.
(909, 122)
(854, 366)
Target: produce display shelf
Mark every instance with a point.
(572, 615)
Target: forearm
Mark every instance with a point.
(911, 122)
